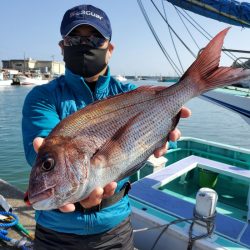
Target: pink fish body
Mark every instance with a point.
(111, 139)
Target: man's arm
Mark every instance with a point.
(39, 118)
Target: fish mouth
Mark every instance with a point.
(43, 195)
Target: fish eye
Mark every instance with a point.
(48, 164)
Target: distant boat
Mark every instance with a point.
(5, 80)
(137, 78)
(168, 79)
(120, 78)
(24, 80)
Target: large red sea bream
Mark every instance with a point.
(111, 139)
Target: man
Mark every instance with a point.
(86, 47)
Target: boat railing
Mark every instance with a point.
(237, 61)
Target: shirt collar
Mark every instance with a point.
(77, 82)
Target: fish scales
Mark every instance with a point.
(103, 125)
(102, 111)
(140, 135)
(110, 139)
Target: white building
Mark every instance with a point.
(30, 65)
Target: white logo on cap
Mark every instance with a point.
(85, 12)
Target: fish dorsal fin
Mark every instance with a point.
(101, 157)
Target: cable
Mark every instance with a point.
(208, 220)
(170, 33)
(11, 220)
(177, 11)
(191, 52)
(203, 32)
(174, 66)
(166, 228)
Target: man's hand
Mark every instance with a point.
(173, 135)
(99, 193)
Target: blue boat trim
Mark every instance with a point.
(246, 236)
(241, 111)
(228, 11)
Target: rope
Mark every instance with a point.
(11, 221)
(201, 30)
(166, 228)
(177, 11)
(188, 49)
(196, 25)
(173, 65)
(171, 36)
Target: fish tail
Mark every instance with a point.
(205, 71)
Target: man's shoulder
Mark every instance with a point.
(121, 87)
(45, 92)
(48, 88)
(52, 85)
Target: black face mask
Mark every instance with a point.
(84, 60)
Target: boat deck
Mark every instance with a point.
(25, 214)
(151, 198)
(147, 190)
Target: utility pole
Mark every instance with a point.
(52, 64)
(24, 68)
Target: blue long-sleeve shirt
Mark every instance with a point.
(44, 107)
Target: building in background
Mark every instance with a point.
(27, 66)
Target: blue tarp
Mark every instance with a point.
(228, 11)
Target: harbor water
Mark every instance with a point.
(208, 122)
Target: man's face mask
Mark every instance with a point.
(85, 60)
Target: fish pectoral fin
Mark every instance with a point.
(175, 121)
(99, 161)
(114, 145)
(132, 171)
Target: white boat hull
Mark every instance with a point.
(120, 78)
(5, 82)
(23, 80)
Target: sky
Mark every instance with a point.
(31, 29)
